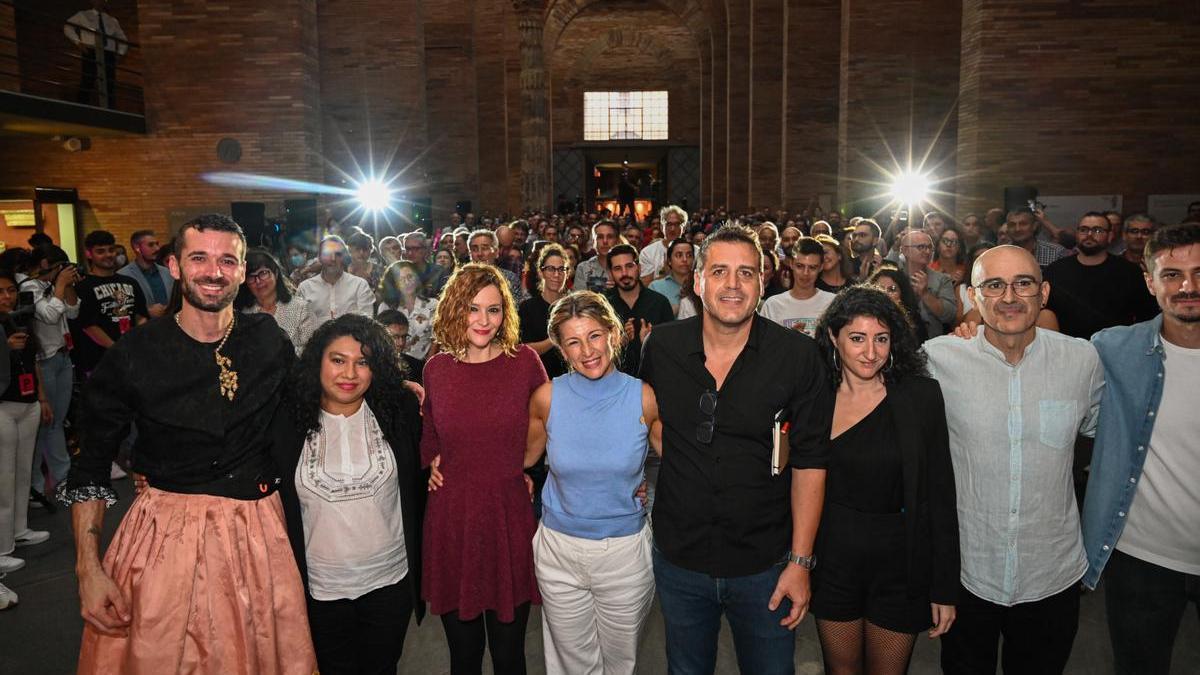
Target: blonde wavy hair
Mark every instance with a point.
(590, 305)
(454, 308)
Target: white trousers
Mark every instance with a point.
(18, 436)
(596, 594)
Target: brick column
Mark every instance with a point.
(535, 119)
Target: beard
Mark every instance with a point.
(194, 298)
(626, 283)
(1090, 248)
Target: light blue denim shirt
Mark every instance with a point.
(1133, 364)
(1012, 437)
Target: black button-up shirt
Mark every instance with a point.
(717, 508)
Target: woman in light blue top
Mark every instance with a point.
(679, 268)
(592, 550)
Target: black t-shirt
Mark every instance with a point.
(1090, 298)
(534, 314)
(651, 307)
(113, 304)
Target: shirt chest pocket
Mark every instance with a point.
(1058, 422)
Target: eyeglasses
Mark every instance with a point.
(1085, 231)
(262, 275)
(708, 408)
(1023, 287)
(919, 247)
(890, 290)
(552, 268)
(950, 243)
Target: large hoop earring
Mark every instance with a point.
(836, 367)
(891, 362)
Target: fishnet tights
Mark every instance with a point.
(862, 648)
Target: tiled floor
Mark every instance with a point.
(41, 635)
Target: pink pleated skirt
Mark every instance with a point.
(212, 587)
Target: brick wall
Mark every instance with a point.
(786, 98)
(255, 83)
(645, 49)
(1091, 98)
(899, 82)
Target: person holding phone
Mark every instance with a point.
(22, 405)
(110, 304)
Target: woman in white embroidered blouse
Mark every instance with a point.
(267, 289)
(400, 289)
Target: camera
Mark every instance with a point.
(1035, 205)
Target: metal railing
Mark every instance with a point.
(57, 57)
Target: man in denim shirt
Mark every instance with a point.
(1016, 397)
(1141, 516)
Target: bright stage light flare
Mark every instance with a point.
(910, 188)
(373, 196)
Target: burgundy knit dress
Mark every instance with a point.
(479, 525)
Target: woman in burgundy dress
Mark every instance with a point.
(479, 526)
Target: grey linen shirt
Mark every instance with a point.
(1012, 436)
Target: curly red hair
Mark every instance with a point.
(453, 309)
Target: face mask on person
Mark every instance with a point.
(297, 260)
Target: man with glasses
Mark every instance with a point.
(934, 289)
(333, 293)
(1016, 398)
(1093, 290)
(416, 251)
(733, 534)
(397, 327)
(1138, 229)
(485, 248)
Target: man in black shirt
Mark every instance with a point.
(204, 550)
(1094, 289)
(730, 536)
(110, 304)
(638, 307)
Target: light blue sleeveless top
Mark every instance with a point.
(595, 452)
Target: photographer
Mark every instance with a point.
(52, 282)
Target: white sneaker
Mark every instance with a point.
(116, 473)
(7, 597)
(31, 537)
(10, 564)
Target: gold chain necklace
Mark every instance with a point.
(228, 377)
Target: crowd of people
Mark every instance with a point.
(755, 416)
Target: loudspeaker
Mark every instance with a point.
(422, 211)
(1018, 197)
(301, 214)
(252, 216)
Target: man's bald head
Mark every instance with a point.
(1007, 257)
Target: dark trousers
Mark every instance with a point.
(1145, 604)
(363, 635)
(692, 605)
(88, 92)
(467, 640)
(1037, 635)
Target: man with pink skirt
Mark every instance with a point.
(199, 577)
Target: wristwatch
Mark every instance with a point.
(806, 561)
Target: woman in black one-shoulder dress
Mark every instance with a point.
(887, 547)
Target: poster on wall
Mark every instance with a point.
(1065, 210)
(1170, 209)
